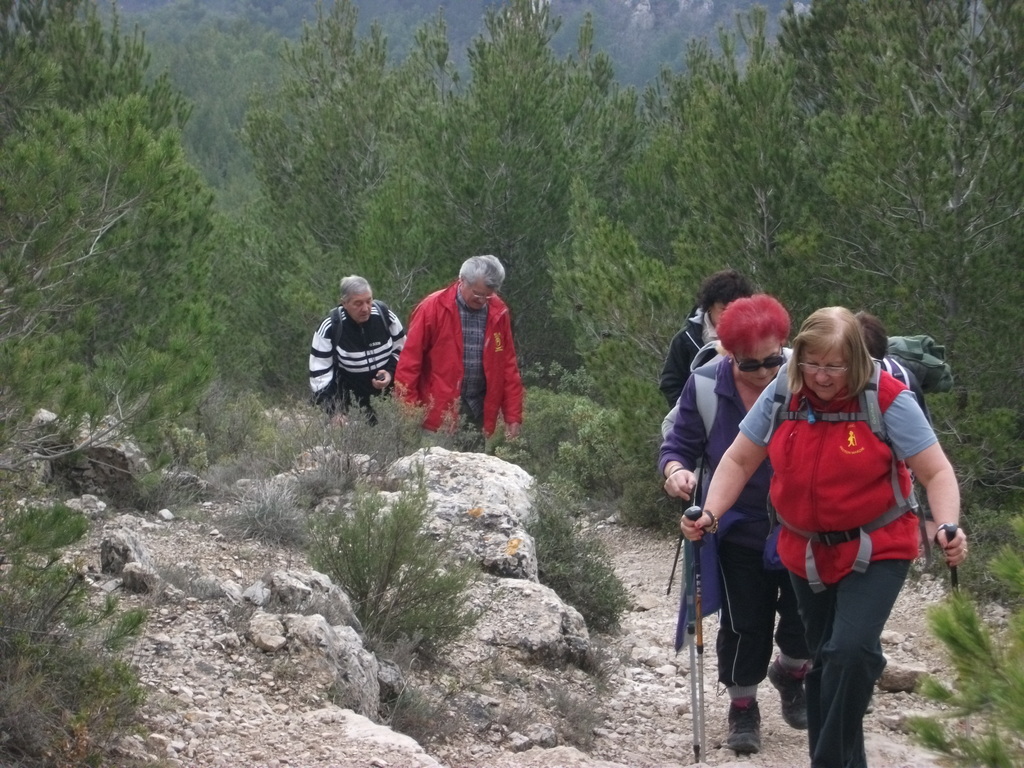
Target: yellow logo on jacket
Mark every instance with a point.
(498, 346)
(851, 447)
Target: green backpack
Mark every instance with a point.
(925, 359)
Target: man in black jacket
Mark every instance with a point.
(714, 295)
(354, 351)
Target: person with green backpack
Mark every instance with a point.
(877, 340)
(840, 494)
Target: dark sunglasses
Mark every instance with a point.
(749, 366)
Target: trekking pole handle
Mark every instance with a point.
(950, 530)
(694, 513)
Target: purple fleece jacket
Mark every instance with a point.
(747, 524)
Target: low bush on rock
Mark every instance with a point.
(65, 696)
(268, 512)
(403, 584)
(575, 565)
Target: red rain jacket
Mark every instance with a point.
(430, 367)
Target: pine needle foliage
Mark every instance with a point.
(65, 696)
(987, 699)
(403, 582)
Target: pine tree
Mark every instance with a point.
(102, 231)
(986, 700)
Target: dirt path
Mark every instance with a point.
(644, 561)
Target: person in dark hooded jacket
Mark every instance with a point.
(714, 296)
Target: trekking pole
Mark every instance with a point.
(675, 562)
(679, 544)
(954, 577)
(954, 581)
(697, 648)
(696, 695)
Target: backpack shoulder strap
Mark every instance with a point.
(335, 329)
(780, 401)
(707, 354)
(871, 408)
(896, 370)
(704, 379)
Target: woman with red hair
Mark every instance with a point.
(738, 579)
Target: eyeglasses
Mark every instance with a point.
(828, 370)
(749, 366)
(478, 296)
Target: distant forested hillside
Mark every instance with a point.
(641, 38)
(220, 52)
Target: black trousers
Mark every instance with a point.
(844, 629)
(752, 596)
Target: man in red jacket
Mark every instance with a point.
(459, 360)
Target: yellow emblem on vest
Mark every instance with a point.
(498, 347)
(851, 448)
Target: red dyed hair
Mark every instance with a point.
(746, 322)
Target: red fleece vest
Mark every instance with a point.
(833, 476)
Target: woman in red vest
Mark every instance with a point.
(848, 535)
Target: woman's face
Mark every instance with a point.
(715, 311)
(767, 355)
(824, 372)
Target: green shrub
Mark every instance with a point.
(574, 565)
(427, 720)
(65, 696)
(578, 718)
(402, 582)
(985, 445)
(988, 693)
(568, 439)
(396, 433)
(234, 424)
(645, 504)
(986, 448)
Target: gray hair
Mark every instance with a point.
(353, 285)
(486, 268)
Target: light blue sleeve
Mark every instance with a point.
(758, 420)
(907, 426)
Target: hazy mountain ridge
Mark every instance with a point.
(641, 36)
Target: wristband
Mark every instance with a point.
(680, 468)
(714, 522)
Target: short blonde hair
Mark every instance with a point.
(827, 329)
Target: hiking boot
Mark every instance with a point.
(791, 694)
(744, 729)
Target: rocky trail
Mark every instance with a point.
(251, 659)
(215, 700)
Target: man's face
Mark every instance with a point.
(358, 306)
(476, 295)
